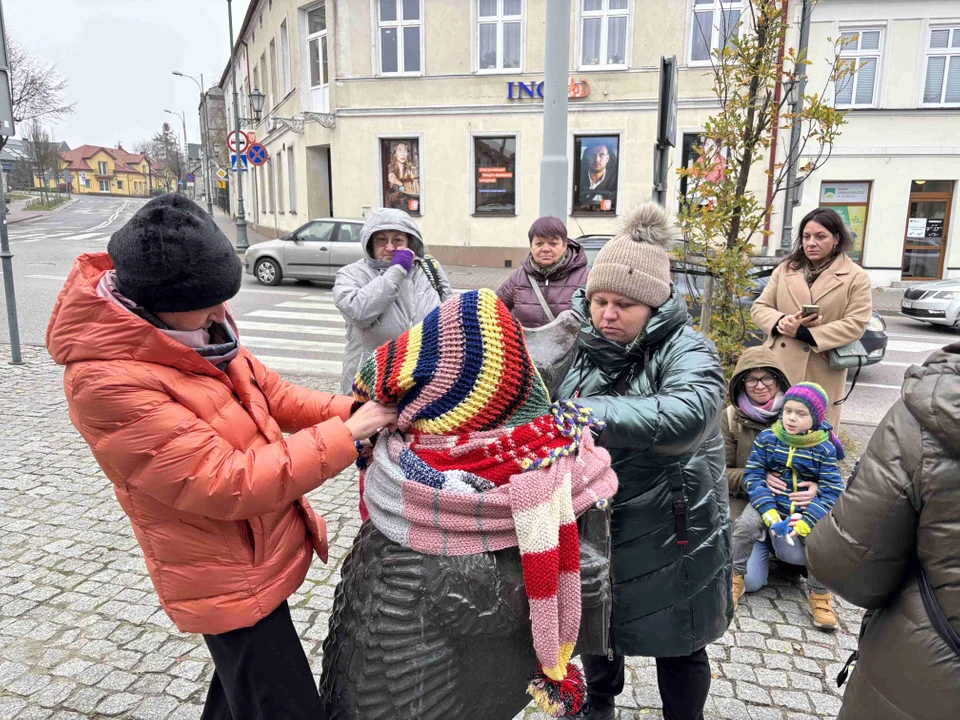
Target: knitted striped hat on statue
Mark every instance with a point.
(465, 368)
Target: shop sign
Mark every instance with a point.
(519, 90)
(855, 192)
(934, 227)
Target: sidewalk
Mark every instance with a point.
(18, 215)
(229, 227)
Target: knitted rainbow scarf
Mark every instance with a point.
(482, 461)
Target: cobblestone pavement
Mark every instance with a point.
(82, 634)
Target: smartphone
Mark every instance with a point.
(810, 310)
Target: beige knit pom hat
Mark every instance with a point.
(635, 264)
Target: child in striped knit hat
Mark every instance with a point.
(801, 446)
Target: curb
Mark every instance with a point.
(46, 213)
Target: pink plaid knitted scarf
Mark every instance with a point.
(453, 512)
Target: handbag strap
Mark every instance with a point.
(429, 266)
(935, 613)
(543, 301)
(853, 383)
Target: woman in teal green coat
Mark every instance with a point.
(659, 386)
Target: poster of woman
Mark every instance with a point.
(401, 174)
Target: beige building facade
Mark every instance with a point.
(435, 107)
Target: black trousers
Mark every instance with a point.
(262, 673)
(684, 683)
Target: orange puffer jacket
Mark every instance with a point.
(198, 458)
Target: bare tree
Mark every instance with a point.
(37, 90)
(165, 151)
(43, 154)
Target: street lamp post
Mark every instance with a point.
(242, 242)
(204, 139)
(186, 145)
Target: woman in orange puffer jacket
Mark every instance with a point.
(188, 426)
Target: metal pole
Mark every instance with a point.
(553, 163)
(242, 242)
(186, 151)
(791, 196)
(6, 257)
(205, 144)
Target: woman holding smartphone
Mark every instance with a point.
(818, 299)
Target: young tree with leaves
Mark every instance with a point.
(721, 216)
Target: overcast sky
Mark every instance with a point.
(117, 57)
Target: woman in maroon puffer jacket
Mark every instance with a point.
(556, 264)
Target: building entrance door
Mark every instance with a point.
(928, 222)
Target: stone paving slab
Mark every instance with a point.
(82, 634)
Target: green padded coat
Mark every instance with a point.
(670, 597)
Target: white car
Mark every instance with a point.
(937, 303)
(314, 251)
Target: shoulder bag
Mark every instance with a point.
(429, 266)
(849, 356)
(543, 301)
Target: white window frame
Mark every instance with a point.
(716, 6)
(473, 170)
(274, 95)
(321, 38)
(572, 135)
(101, 183)
(285, 56)
(102, 168)
(279, 171)
(291, 181)
(947, 52)
(604, 13)
(378, 166)
(399, 24)
(499, 20)
(852, 52)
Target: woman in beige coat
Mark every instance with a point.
(817, 272)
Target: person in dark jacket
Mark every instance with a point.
(898, 519)
(659, 387)
(556, 264)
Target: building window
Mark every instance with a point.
(279, 171)
(862, 52)
(400, 32)
(495, 175)
(400, 174)
(86, 183)
(285, 56)
(104, 186)
(500, 33)
(595, 161)
(119, 184)
(275, 94)
(941, 85)
(265, 77)
(714, 25)
(292, 180)
(603, 33)
(317, 45)
(101, 168)
(706, 163)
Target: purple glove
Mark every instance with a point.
(404, 258)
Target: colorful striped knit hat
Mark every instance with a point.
(465, 368)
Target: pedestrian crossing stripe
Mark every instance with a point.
(283, 315)
(284, 328)
(294, 365)
(313, 305)
(292, 344)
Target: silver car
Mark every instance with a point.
(937, 302)
(314, 251)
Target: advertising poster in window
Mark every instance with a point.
(495, 175)
(706, 163)
(855, 218)
(400, 164)
(596, 160)
(851, 200)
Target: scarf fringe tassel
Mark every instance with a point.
(558, 698)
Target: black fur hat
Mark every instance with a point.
(172, 257)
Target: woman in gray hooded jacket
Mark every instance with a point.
(389, 291)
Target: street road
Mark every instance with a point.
(295, 327)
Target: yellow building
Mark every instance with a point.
(95, 170)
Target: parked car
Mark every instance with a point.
(937, 303)
(690, 283)
(314, 251)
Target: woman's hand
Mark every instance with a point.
(804, 497)
(776, 484)
(789, 324)
(811, 321)
(371, 416)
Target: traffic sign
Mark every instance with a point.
(190, 178)
(238, 143)
(233, 162)
(257, 154)
(221, 173)
(83, 176)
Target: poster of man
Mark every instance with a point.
(597, 160)
(401, 174)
